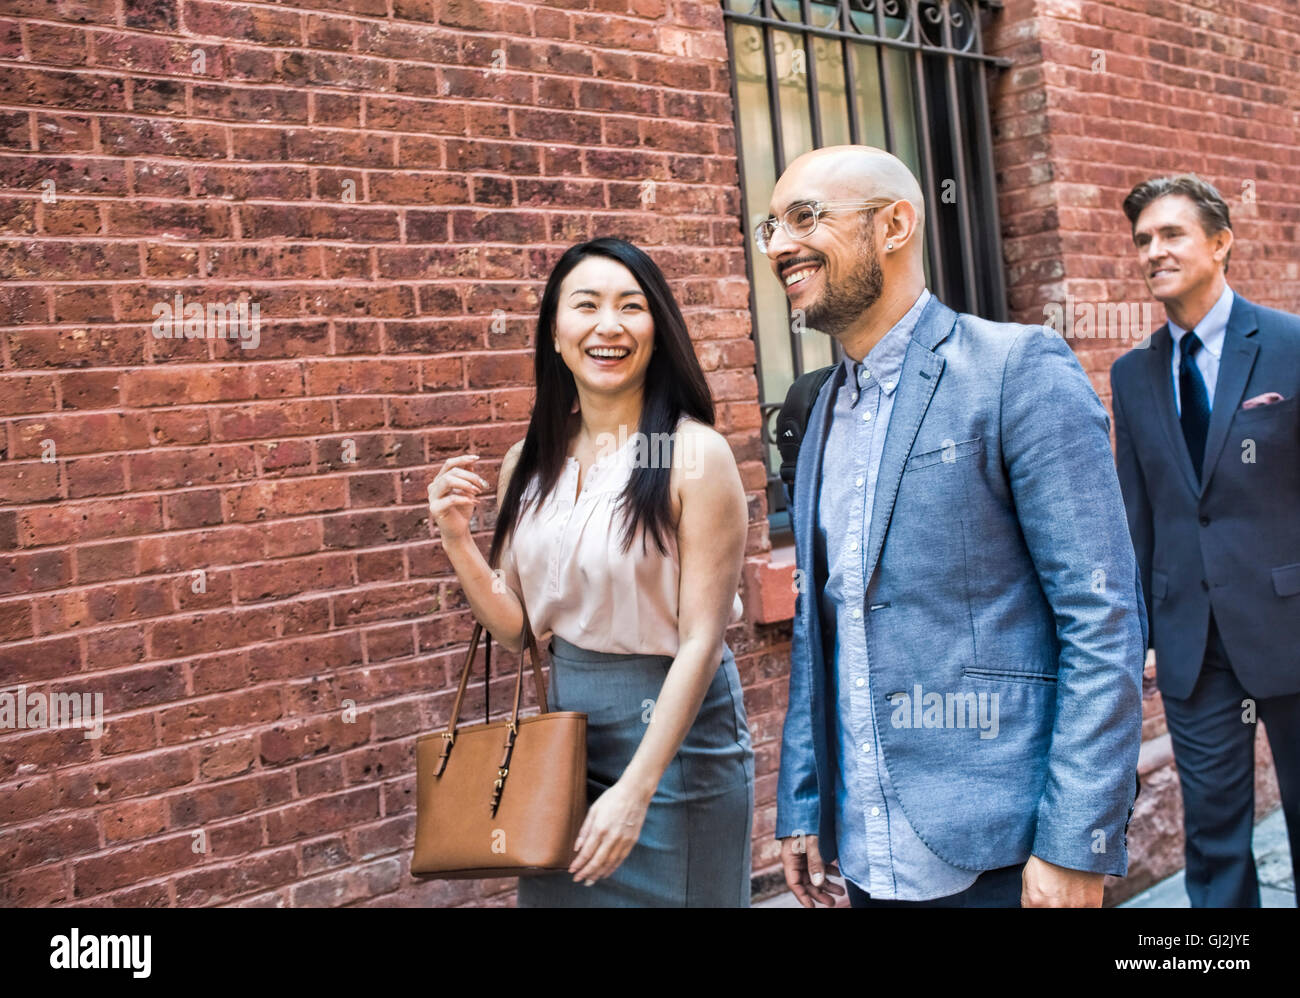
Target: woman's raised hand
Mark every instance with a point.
(453, 495)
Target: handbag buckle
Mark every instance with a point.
(448, 740)
(497, 786)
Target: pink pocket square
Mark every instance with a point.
(1268, 398)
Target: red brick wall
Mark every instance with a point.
(1105, 93)
(323, 580)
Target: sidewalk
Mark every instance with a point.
(1272, 859)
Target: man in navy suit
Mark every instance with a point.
(1207, 430)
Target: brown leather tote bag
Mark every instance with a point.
(503, 798)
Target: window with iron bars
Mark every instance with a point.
(909, 76)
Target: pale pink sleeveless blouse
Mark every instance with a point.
(565, 562)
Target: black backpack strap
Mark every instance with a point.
(793, 419)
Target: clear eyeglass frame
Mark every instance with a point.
(800, 220)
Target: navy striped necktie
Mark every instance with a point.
(1194, 399)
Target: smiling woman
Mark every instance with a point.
(608, 324)
(636, 631)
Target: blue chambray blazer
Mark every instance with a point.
(1000, 563)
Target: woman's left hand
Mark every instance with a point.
(612, 826)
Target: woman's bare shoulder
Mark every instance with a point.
(702, 439)
(703, 463)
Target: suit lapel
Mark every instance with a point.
(1235, 364)
(916, 385)
(1160, 378)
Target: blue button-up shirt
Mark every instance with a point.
(878, 848)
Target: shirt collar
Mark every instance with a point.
(1212, 329)
(884, 362)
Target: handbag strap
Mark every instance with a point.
(512, 729)
(539, 688)
(487, 674)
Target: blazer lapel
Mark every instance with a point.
(916, 385)
(1161, 379)
(1235, 364)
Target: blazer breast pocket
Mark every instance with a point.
(1265, 433)
(1264, 415)
(1286, 580)
(951, 452)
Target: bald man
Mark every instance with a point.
(965, 680)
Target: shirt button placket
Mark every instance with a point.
(877, 834)
(855, 593)
(558, 549)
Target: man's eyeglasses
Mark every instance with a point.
(800, 220)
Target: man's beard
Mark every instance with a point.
(842, 303)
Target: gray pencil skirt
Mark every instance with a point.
(694, 847)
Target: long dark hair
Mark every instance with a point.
(674, 387)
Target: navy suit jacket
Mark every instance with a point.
(1230, 542)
